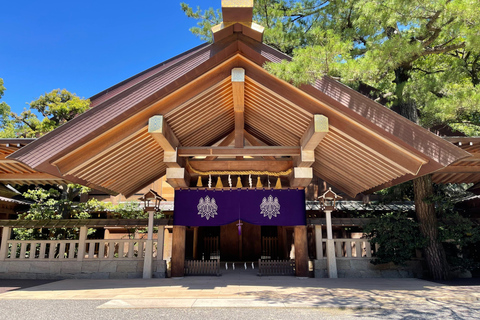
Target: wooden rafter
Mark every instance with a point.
(277, 151)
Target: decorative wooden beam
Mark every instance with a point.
(225, 143)
(301, 177)
(237, 11)
(178, 177)
(254, 142)
(277, 151)
(238, 88)
(233, 165)
(237, 18)
(238, 91)
(163, 134)
(316, 131)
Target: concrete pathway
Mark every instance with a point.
(246, 290)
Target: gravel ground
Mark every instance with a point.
(83, 309)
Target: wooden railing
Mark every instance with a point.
(70, 249)
(202, 267)
(269, 247)
(276, 267)
(350, 248)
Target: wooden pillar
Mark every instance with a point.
(301, 251)
(318, 242)
(148, 258)
(178, 251)
(331, 259)
(4, 244)
(195, 243)
(81, 243)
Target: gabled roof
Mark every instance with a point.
(109, 148)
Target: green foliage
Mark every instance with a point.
(56, 203)
(207, 19)
(133, 210)
(5, 121)
(397, 237)
(57, 107)
(416, 57)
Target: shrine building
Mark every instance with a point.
(239, 147)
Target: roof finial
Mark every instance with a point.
(237, 18)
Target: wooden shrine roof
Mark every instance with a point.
(466, 170)
(110, 148)
(14, 172)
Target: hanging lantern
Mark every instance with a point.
(328, 200)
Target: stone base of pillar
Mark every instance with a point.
(331, 259)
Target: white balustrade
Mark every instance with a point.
(128, 249)
(350, 248)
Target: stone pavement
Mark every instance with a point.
(247, 290)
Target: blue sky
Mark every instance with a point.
(86, 46)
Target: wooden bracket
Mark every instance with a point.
(163, 134)
(178, 177)
(300, 177)
(316, 131)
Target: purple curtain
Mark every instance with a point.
(265, 207)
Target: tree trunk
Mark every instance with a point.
(434, 251)
(423, 189)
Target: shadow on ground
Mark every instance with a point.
(11, 284)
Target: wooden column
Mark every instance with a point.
(4, 244)
(195, 242)
(318, 242)
(148, 258)
(301, 251)
(178, 251)
(331, 258)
